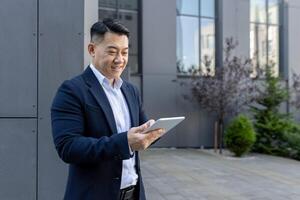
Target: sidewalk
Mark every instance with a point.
(192, 174)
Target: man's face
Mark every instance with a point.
(110, 55)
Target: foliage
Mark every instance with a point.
(277, 134)
(227, 89)
(239, 135)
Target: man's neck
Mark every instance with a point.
(110, 80)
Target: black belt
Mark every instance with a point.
(128, 193)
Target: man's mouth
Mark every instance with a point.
(117, 68)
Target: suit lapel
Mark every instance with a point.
(130, 102)
(100, 96)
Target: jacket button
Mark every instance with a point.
(116, 178)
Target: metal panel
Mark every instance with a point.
(18, 55)
(18, 159)
(159, 37)
(197, 129)
(293, 48)
(61, 56)
(160, 101)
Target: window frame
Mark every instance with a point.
(138, 12)
(200, 17)
(267, 24)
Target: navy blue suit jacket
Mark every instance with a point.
(85, 136)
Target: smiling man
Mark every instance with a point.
(98, 120)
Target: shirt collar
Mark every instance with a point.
(103, 80)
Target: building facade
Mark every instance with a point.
(45, 43)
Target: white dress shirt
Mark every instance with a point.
(122, 119)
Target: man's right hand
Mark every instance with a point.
(141, 141)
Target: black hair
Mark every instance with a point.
(107, 25)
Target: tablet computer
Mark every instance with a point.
(166, 123)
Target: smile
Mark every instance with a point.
(117, 68)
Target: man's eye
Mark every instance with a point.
(112, 52)
(125, 53)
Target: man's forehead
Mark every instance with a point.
(113, 40)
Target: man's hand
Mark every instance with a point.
(140, 141)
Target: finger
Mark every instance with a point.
(155, 133)
(142, 127)
(151, 122)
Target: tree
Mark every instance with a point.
(270, 123)
(277, 132)
(226, 90)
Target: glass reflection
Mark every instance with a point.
(208, 8)
(133, 64)
(189, 7)
(273, 48)
(187, 44)
(207, 46)
(258, 46)
(130, 20)
(128, 4)
(107, 13)
(258, 11)
(108, 3)
(273, 11)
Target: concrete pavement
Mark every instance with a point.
(194, 174)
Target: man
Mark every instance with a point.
(98, 120)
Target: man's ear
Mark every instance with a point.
(91, 49)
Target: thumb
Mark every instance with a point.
(144, 126)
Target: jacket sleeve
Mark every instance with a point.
(72, 145)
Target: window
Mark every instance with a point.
(195, 36)
(264, 34)
(127, 12)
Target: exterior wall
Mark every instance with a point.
(159, 60)
(18, 100)
(162, 97)
(292, 45)
(37, 53)
(49, 45)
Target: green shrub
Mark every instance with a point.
(239, 135)
(292, 139)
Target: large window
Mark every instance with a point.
(195, 36)
(264, 34)
(127, 12)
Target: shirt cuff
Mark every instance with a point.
(130, 151)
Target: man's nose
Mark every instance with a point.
(118, 58)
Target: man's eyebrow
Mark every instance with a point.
(113, 47)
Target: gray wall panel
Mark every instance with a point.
(159, 37)
(197, 129)
(160, 101)
(159, 62)
(293, 33)
(18, 159)
(61, 56)
(18, 54)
